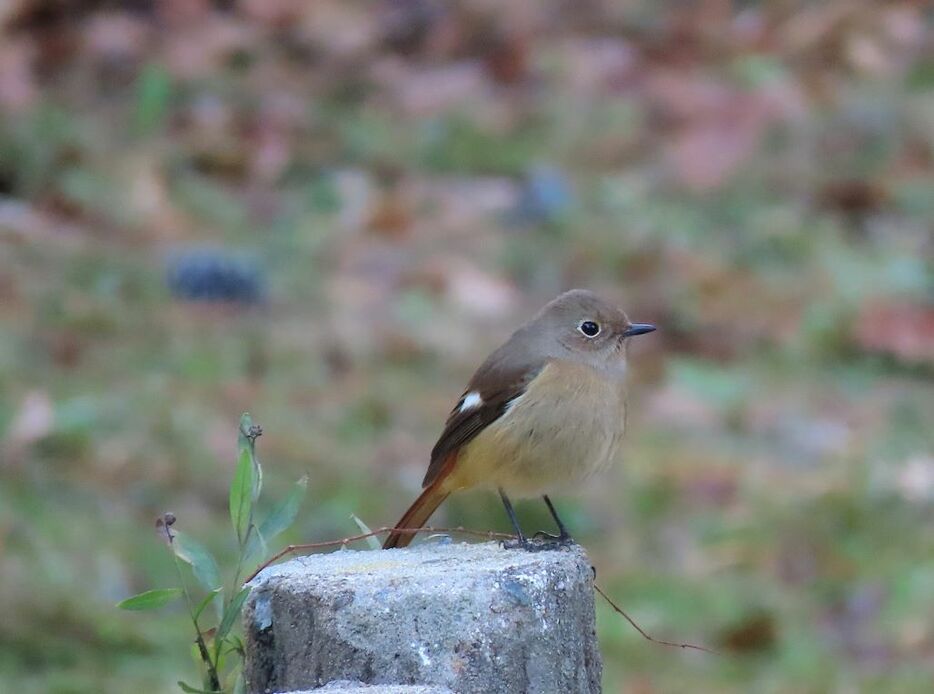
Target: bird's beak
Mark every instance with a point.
(638, 329)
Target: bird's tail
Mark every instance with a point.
(417, 515)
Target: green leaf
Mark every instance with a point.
(282, 516)
(257, 477)
(241, 495)
(372, 541)
(204, 603)
(235, 645)
(256, 545)
(231, 614)
(247, 442)
(193, 690)
(151, 599)
(201, 560)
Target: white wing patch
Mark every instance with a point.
(471, 401)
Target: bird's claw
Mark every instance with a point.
(540, 542)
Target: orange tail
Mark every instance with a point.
(417, 515)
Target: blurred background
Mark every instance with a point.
(327, 213)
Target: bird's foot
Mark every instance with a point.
(562, 539)
(520, 542)
(548, 541)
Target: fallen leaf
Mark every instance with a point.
(899, 329)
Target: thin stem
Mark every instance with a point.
(235, 586)
(645, 634)
(215, 681)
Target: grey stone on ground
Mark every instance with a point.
(475, 618)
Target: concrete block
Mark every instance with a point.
(475, 618)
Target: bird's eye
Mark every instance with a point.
(589, 329)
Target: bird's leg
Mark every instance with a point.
(564, 537)
(521, 540)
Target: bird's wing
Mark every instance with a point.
(497, 383)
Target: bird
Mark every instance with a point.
(543, 413)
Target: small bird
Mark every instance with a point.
(544, 412)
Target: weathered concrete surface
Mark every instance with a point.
(347, 687)
(472, 617)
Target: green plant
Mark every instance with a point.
(219, 649)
